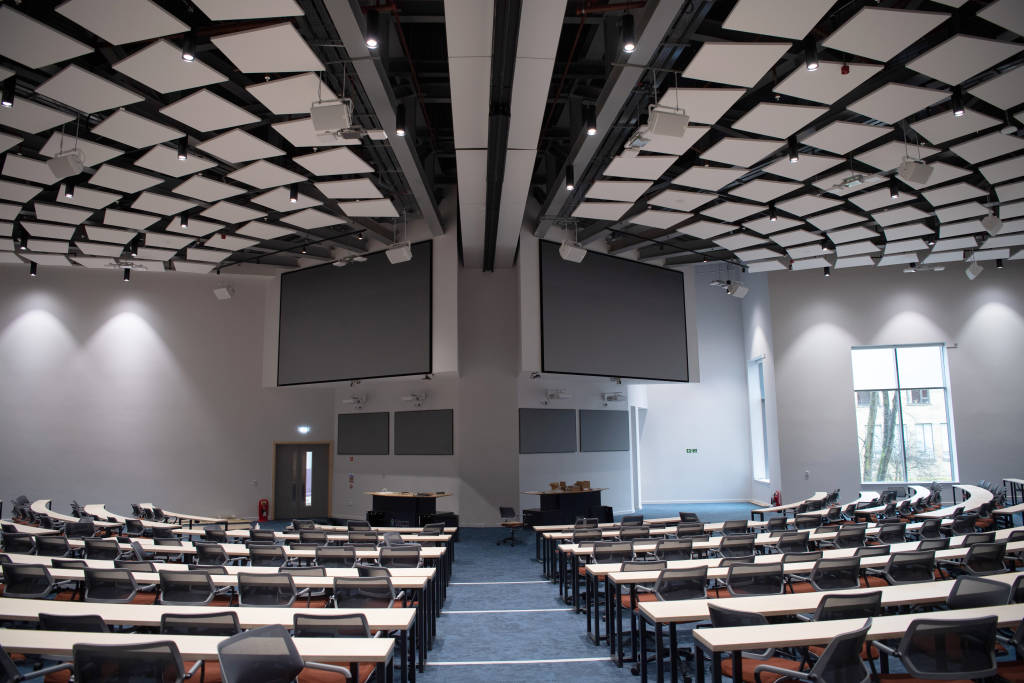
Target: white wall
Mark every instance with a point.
(146, 391)
(815, 321)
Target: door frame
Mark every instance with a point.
(330, 470)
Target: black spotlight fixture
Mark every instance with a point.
(69, 190)
(999, 264)
(958, 102)
(894, 189)
(570, 179)
(828, 272)
(627, 34)
(811, 56)
(188, 49)
(794, 155)
(372, 38)
(400, 120)
(7, 92)
(33, 269)
(182, 149)
(772, 216)
(127, 274)
(590, 119)
(293, 195)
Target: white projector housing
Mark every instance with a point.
(572, 251)
(992, 223)
(914, 171)
(224, 293)
(331, 116)
(66, 165)
(973, 270)
(737, 290)
(399, 253)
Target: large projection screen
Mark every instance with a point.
(370, 319)
(611, 317)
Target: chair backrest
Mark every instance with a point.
(587, 535)
(802, 522)
(755, 579)
(372, 570)
(208, 624)
(612, 551)
(313, 536)
(913, 566)
(973, 591)
(629, 533)
(336, 556)
(363, 536)
(986, 558)
(52, 546)
(586, 523)
(109, 585)
(330, 626)
(215, 534)
(892, 533)
(689, 529)
(135, 566)
(267, 556)
(211, 569)
(155, 661)
(210, 553)
(931, 528)
(300, 524)
(27, 581)
(849, 606)
(89, 623)
(850, 537)
(841, 661)
(835, 573)
(739, 559)
(1017, 591)
(101, 549)
(969, 539)
(734, 526)
(505, 512)
(363, 592)
(79, 529)
(437, 528)
(18, 543)
(168, 541)
(809, 556)
(134, 527)
(947, 649)
(733, 546)
(405, 556)
(264, 535)
(186, 588)
(933, 543)
(632, 520)
(643, 565)
(963, 524)
(303, 571)
(392, 538)
(265, 590)
(66, 563)
(682, 584)
(722, 617)
(262, 654)
(777, 524)
(674, 549)
(871, 551)
(689, 517)
(357, 524)
(793, 542)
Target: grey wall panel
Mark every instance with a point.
(604, 430)
(612, 317)
(424, 432)
(370, 319)
(547, 430)
(364, 434)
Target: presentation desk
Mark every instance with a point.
(564, 507)
(42, 507)
(761, 512)
(58, 644)
(100, 511)
(148, 616)
(405, 505)
(1014, 487)
(919, 493)
(978, 496)
(801, 634)
(182, 517)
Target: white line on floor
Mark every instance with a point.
(503, 611)
(491, 583)
(522, 661)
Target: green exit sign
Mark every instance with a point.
(691, 451)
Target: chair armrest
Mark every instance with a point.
(787, 673)
(46, 671)
(804, 617)
(200, 664)
(327, 667)
(885, 648)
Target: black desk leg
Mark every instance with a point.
(575, 586)
(659, 651)
(643, 650)
(536, 543)
(609, 621)
(737, 665)
(590, 591)
(403, 644)
(716, 668)
(698, 661)
(617, 605)
(673, 651)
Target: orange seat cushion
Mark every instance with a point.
(869, 651)
(750, 664)
(873, 581)
(582, 571)
(625, 601)
(58, 677)
(1012, 671)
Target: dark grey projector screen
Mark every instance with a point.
(363, 434)
(424, 432)
(604, 430)
(370, 319)
(547, 430)
(612, 317)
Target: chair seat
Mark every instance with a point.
(582, 571)
(749, 664)
(624, 599)
(60, 677)
(872, 581)
(512, 525)
(317, 676)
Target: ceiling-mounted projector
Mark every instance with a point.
(399, 253)
(914, 171)
(66, 164)
(331, 116)
(572, 251)
(736, 289)
(661, 122)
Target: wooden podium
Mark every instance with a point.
(405, 506)
(563, 507)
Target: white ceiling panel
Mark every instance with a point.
(781, 18)
(856, 248)
(807, 264)
(766, 226)
(739, 241)
(9, 212)
(98, 234)
(61, 214)
(605, 211)
(95, 262)
(463, 19)
(879, 199)
(826, 84)
(229, 242)
(652, 218)
(835, 184)
(955, 243)
(1003, 170)
(740, 151)
(759, 190)
(291, 94)
(897, 259)
(733, 211)
(991, 254)
(881, 34)
(8, 141)
(702, 105)
(165, 241)
(86, 197)
(756, 254)
(50, 231)
(227, 212)
(943, 257)
(734, 63)
(834, 219)
(6, 228)
(354, 188)
(841, 137)
(30, 117)
(122, 21)
(164, 159)
(18, 192)
(279, 199)
(788, 239)
(904, 246)
(209, 255)
(1005, 13)
(470, 102)
(851, 234)
(617, 190)
(48, 246)
(1005, 91)
(126, 181)
(664, 144)
(941, 172)
(99, 249)
(705, 230)
(809, 251)
(160, 66)
(527, 101)
(263, 174)
(709, 177)
(681, 200)
(263, 231)
(194, 227)
(1014, 210)
(1003, 241)
(311, 219)
(944, 126)
(192, 267)
(902, 214)
(93, 153)
(134, 130)
(128, 219)
(33, 43)
(766, 266)
(371, 208)
(48, 259)
(809, 166)
(8, 257)
(333, 162)
(161, 204)
(807, 204)
(1009, 191)
(206, 111)
(855, 262)
(647, 167)
(894, 102)
(227, 10)
(238, 146)
(153, 254)
(85, 91)
(888, 156)
(778, 120)
(907, 231)
(960, 57)
(985, 147)
(205, 190)
(968, 227)
(300, 133)
(248, 50)
(957, 192)
(958, 212)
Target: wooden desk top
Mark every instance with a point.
(608, 525)
(977, 497)
(100, 510)
(294, 536)
(34, 530)
(182, 515)
(559, 491)
(818, 495)
(408, 494)
(60, 643)
(41, 507)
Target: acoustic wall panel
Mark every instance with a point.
(547, 430)
(364, 434)
(425, 432)
(604, 430)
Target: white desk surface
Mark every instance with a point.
(818, 495)
(60, 643)
(100, 510)
(182, 515)
(608, 525)
(40, 507)
(382, 529)
(239, 549)
(294, 536)
(1009, 510)
(920, 493)
(977, 497)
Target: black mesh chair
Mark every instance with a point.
(357, 524)
(157, 661)
(940, 649)
(215, 534)
(871, 551)
(587, 535)
(267, 556)
(968, 540)
(933, 543)
(722, 617)
(141, 554)
(674, 549)
(371, 570)
(915, 566)
(186, 588)
(586, 523)
(840, 662)
(299, 524)
(1017, 590)
(207, 624)
(806, 522)
(87, 623)
(53, 546)
(793, 542)
(27, 581)
(330, 626)
(734, 526)
(213, 553)
(777, 524)
(930, 528)
(68, 563)
(981, 559)
(407, 555)
(846, 606)
(309, 592)
(263, 535)
(739, 559)
(313, 536)
(892, 533)
(835, 573)
(338, 557)
(610, 552)
(962, 524)
(635, 532)
(363, 537)
(265, 655)
(135, 566)
(809, 556)
(364, 592)
(80, 529)
(265, 590)
(682, 584)
(109, 585)
(632, 520)
(134, 527)
(848, 536)
(684, 529)
(737, 546)
(973, 591)
(689, 517)
(161, 532)
(755, 579)
(101, 549)
(18, 543)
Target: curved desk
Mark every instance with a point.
(977, 496)
(100, 511)
(818, 495)
(181, 516)
(42, 507)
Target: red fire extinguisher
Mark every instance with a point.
(264, 508)
(777, 498)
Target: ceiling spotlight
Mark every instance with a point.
(183, 223)
(127, 274)
(794, 155)
(958, 102)
(999, 264)
(133, 247)
(570, 179)
(400, 120)
(894, 190)
(973, 270)
(627, 34)
(811, 56)
(828, 272)
(372, 30)
(33, 269)
(293, 195)
(182, 149)
(69, 191)
(188, 49)
(589, 119)
(7, 92)
(772, 216)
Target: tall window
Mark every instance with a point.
(758, 419)
(903, 416)
(309, 478)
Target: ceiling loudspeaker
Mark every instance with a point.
(66, 165)
(992, 223)
(331, 116)
(224, 293)
(572, 251)
(973, 270)
(914, 171)
(399, 253)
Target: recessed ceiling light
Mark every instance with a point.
(627, 34)
(372, 30)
